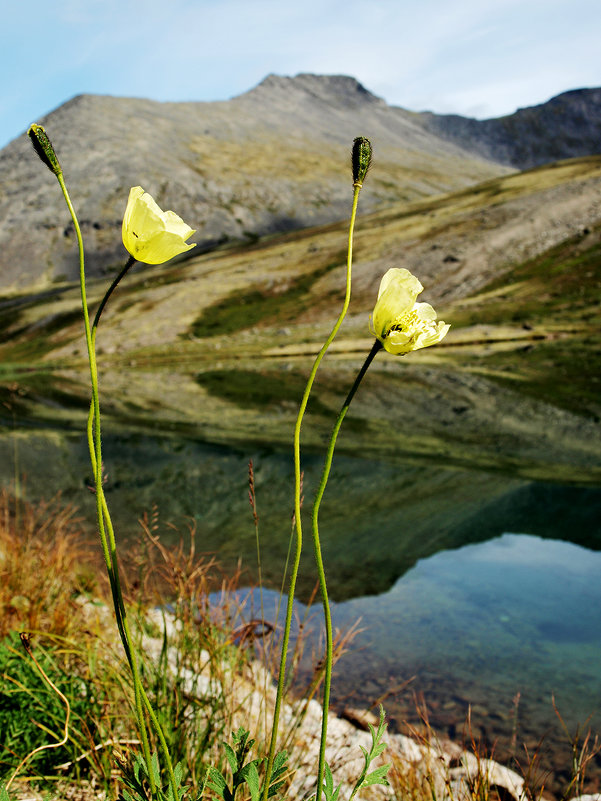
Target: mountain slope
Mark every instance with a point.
(567, 126)
(218, 349)
(274, 159)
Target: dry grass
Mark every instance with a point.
(44, 565)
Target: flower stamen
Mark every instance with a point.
(398, 321)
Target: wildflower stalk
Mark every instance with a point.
(360, 163)
(110, 554)
(167, 239)
(93, 432)
(96, 457)
(401, 325)
(109, 546)
(123, 625)
(43, 148)
(319, 561)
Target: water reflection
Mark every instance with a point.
(378, 517)
(517, 604)
(478, 625)
(466, 616)
(472, 628)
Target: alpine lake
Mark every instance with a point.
(461, 526)
(470, 570)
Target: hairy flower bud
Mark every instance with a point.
(43, 147)
(361, 159)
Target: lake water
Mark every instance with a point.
(479, 625)
(508, 630)
(470, 587)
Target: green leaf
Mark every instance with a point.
(155, 768)
(231, 757)
(275, 788)
(241, 741)
(280, 767)
(217, 782)
(375, 752)
(330, 793)
(280, 763)
(251, 776)
(329, 782)
(377, 776)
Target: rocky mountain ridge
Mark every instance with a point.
(271, 160)
(567, 126)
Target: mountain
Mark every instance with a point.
(567, 126)
(273, 159)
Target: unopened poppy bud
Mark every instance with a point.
(361, 159)
(43, 147)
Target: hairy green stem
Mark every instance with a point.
(110, 554)
(141, 696)
(319, 561)
(297, 495)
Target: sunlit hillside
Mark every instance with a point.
(218, 347)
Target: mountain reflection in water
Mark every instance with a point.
(466, 614)
(501, 629)
(378, 518)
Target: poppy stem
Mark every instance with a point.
(297, 496)
(327, 681)
(129, 263)
(107, 533)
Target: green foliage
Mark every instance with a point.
(279, 769)
(136, 777)
(330, 793)
(257, 389)
(191, 714)
(366, 779)
(32, 715)
(260, 305)
(557, 296)
(243, 772)
(377, 776)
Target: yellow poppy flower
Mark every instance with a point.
(151, 235)
(401, 324)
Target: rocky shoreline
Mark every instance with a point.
(420, 768)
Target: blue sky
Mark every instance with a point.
(479, 58)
